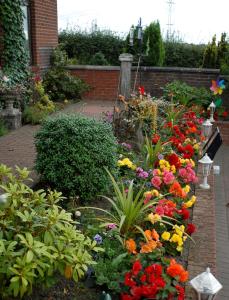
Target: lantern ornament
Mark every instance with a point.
(212, 107)
(206, 163)
(206, 285)
(206, 129)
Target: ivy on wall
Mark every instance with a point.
(14, 54)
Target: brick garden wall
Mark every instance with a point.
(104, 79)
(44, 30)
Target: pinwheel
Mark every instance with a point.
(217, 87)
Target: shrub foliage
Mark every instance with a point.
(38, 239)
(72, 152)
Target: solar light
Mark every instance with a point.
(206, 163)
(207, 129)
(206, 285)
(131, 36)
(212, 110)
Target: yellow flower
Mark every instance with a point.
(190, 202)
(173, 169)
(182, 161)
(179, 248)
(154, 193)
(196, 146)
(120, 163)
(165, 235)
(148, 193)
(179, 230)
(176, 239)
(192, 162)
(153, 218)
(186, 189)
(187, 140)
(164, 164)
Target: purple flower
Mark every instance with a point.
(111, 226)
(127, 146)
(160, 156)
(98, 239)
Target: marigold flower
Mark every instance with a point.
(155, 193)
(186, 189)
(155, 235)
(131, 246)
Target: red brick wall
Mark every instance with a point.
(104, 80)
(44, 30)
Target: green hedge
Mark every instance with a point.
(83, 45)
(72, 152)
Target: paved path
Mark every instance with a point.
(222, 220)
(17, 147)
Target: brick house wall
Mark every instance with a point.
(43, 31)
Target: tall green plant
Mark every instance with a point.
(153, 43)
(14, 54)
(210, 54)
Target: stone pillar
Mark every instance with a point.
(125, 73)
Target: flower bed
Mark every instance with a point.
(149, 222)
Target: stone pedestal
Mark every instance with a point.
(10, 115)
(125, 83)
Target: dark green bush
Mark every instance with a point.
(179, 54)
(186, 94)
(3, 129)
(72, 152)
(59, 83)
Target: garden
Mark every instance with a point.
(112, 214)
(116, 216)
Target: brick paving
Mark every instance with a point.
(17, 147)
(222, 220)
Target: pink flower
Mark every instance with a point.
(182, 172)
(111, 226)
(156, 172)
(156, 182)
(168, 177)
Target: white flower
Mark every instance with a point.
(77, 213)
(5, 78)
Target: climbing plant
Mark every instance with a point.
(14, 53)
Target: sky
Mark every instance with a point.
(195, 21)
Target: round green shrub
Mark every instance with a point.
(72, 152)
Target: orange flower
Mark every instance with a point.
(131, 246)
(155, 235)
(148, 247)
(177, 190)
(148, 235)
(184, 276)
(177, 270)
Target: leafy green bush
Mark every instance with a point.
(38, 239)
(187, 95)
(180, 54)
(98, 59)
(82, 45)
(59, 83)
(72, 152)
(3, 129)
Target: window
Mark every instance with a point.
(26, 25)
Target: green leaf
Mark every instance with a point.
(29, 256)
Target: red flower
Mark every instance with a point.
(185, 213)
(188, 151)
(225, 114)
(174, 160)
(141, 90)
(191, 228)
(155, 139)
(136, 267)
(126, 297)
(128, 280)
(137, 292)
(143, 278)
(180, 291)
